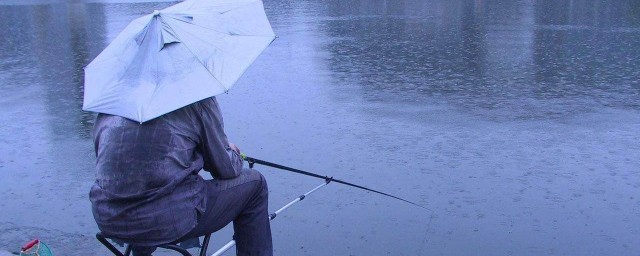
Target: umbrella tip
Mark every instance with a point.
(156, 13)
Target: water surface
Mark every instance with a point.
(516, 122)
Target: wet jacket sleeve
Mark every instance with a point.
(219, 159)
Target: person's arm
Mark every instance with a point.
(220, 159)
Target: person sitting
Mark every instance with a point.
(148, 190)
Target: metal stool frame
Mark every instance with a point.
(171, 246)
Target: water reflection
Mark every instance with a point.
(56, 41)
(497, 59)
(585, 51)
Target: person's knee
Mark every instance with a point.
(262, 181)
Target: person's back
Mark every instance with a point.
(147, 190)
(147, 183)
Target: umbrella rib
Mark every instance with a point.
(241, 6)
(195, 56)
(225, 32)
(229, 56)
(238, 7)
(229, 10)
(222, 32)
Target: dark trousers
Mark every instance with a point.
(243, 200)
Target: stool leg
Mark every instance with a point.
(109, 246)
(205, 244)
(127, 250)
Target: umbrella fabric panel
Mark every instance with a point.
(110, 65)
(214, 39)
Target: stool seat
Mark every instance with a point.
(171, 246)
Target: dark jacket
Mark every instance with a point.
(147, 190)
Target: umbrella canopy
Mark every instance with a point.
(171, 58)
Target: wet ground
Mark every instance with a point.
(517, 123)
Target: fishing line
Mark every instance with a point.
(426, 233)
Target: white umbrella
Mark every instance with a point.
(174, 57)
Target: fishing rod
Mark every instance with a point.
(272, 216)
(326, 179)
(253, 161)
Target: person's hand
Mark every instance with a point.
(234, 148)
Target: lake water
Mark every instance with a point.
(517, 123)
